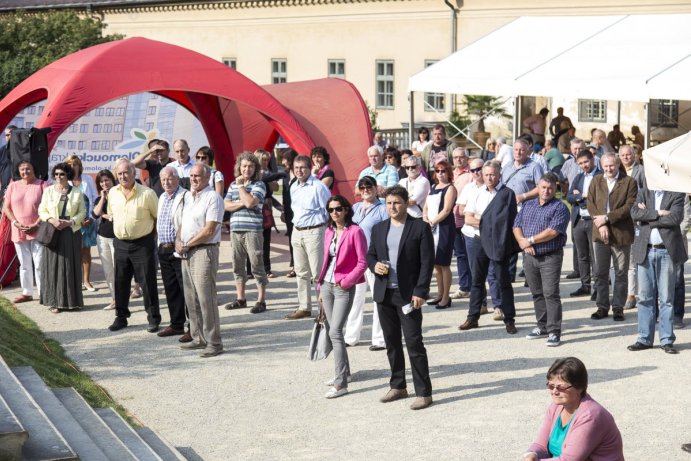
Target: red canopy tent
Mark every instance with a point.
(236, 113)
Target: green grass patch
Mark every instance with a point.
(24, 344)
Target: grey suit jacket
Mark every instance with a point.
(648, 218)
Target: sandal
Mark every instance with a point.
(55, 310)
(237, 304)
(291, 274)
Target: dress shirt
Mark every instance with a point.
(308, 202)
(206, 206)
(165, 225)
(467, 195)
(587, 179)
(183, 170)
(480, 204)
(655, 237)
(461, 177)
(386, 177)
(535, 218)
(418, 190)
(133, 218)
(610, 186)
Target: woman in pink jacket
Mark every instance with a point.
(345, 248)
(576, 427)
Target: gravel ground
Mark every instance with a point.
(263, 400)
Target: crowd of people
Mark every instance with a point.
(415, 211)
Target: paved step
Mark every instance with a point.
(45, 442)
(12, 433)
(160, 445)
(94, 426)
(142, 451)
(70, 429)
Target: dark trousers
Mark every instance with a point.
(679, 293)
(171, 275)
(501, 269)
(542, 274)
(583, 246)
(575, 254)
(462, 265)
(267, 250)
(393, 320)
(136, 257)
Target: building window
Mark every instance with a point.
(94, 145)
(149, 126)
(99, 112)
(592, 110)
(230, 62)
(664, 112)
(437, 101)
(40, 109)
(82, 145)
(117, 127)
(74, 128)
(97, 128)
(336, 68)
(105, 145)
(108, 128)
(61, 144)
(29, 125)
(110, 112)
(151, 111)
(279, 71)
(70, 144)
(120, 112)
(31, 110)
(384, 84)
(83, 128)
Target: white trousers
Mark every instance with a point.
(354, 325)
(106, 251)
(29, 254)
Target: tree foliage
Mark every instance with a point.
(29, 42)
(479, 106)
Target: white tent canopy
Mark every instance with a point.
(631, 58)
(667, 165)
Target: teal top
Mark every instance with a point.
(557, 436)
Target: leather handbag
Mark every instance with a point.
(320, 343)
(45, 235)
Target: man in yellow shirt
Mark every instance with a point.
(134, 209)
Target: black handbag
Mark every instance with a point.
(320, 343)
(46, 234)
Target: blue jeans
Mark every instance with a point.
(656, 279)
(471, 247)
(462, 264)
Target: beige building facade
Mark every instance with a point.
(376, 45)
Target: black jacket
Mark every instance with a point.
(496, 226)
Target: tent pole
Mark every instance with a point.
(411, 125)
(647, 126)
(516, 116)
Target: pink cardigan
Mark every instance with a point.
(351, 251)
(593, 435)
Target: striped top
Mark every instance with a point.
(247, 219)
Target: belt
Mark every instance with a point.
(586, 218)
(204, 245)
(309, 227)
(167, 246)
(657, 247)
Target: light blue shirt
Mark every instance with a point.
(525, 179)
(308, 202)
(366, 218)
(387, 176)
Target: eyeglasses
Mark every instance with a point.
(337, 209)
(476, 170)
(440, 171)
(414, 167)
(201, 157)
(557, 387)
(365, 187)
(60, 174)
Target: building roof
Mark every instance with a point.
(50, 4)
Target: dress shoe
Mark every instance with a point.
(298, 314)
(443, 306)
(210, 353)
(393, 395)
(511, 327)
(686, 447)
(89, 288)
(193, 345)
(152, 328)
(600, 313)
(421, 403)
(582, 291)
(170, 331)
(573, 275)
(669, 349)
(291, 274)
(118, 324)
(521, 273)
(468, 324)
(186, 338)
(374, 348)
(23, 299)
(110, 307)
(618, 314)
(638, 346)
(433, 302)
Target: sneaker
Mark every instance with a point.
(331, 381)
(553, 340)
(335, 393)
(498, 315)
(536, 333)
(460, 294)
